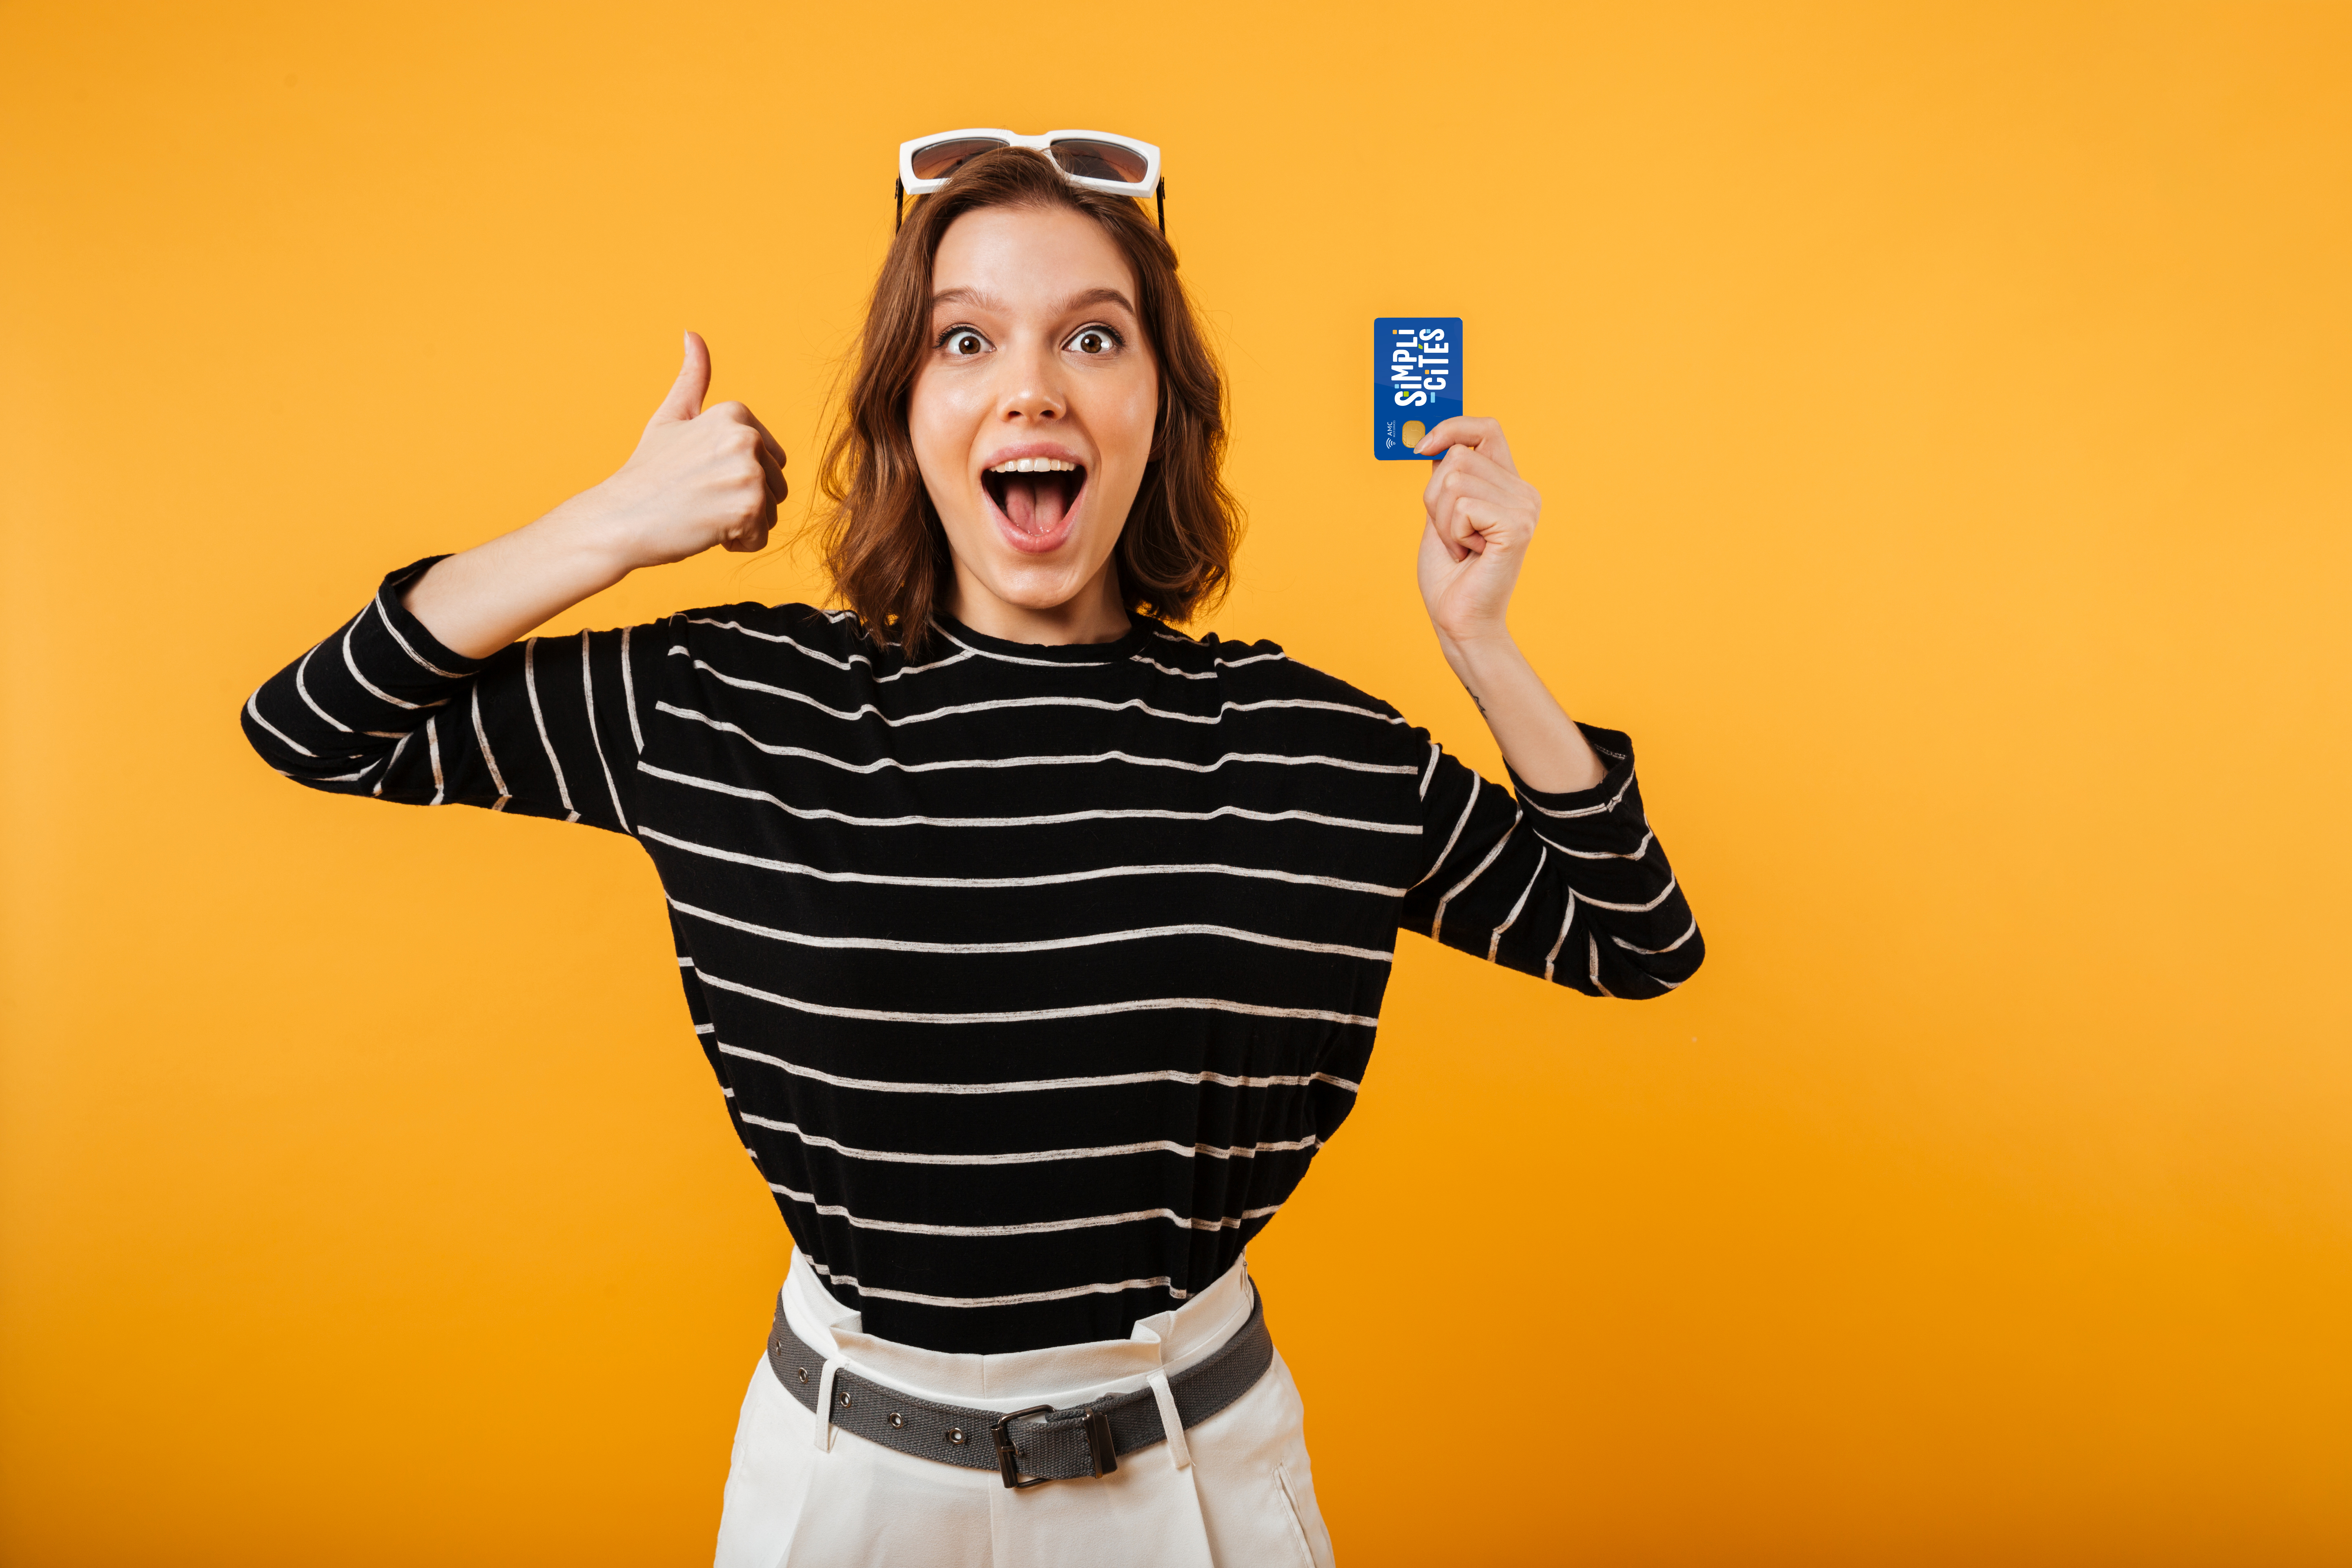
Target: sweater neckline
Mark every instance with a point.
(1137, 636)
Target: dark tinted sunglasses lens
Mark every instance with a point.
(940, 158)
(1099, 161)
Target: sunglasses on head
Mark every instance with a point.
(1118, 165)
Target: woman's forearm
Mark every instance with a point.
(1540, 741)
(479, 600)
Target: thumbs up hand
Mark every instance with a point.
(699, 476)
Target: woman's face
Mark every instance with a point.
(1031, 419)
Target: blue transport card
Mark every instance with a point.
(1416, 381)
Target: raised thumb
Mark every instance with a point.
(685, 399)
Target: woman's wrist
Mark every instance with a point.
(595, 536)
(1479, 649)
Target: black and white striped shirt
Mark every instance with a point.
(1034, 976)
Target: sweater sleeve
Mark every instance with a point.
(547, 727)
(1573, 887)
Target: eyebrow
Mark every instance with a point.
(1076, 302)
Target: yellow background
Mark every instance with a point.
(1942, 418)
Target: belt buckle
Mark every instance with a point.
(1102, 1453)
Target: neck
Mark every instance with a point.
(1094, 614)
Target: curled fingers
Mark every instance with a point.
(1469, 432)
(1466, 507)
(770, 450)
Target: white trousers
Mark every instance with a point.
(1235, 1491)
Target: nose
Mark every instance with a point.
(1033, 387)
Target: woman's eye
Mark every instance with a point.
(963, 343)
(1095, 340)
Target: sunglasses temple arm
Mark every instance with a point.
(1160, 196)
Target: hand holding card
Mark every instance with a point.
(1482, 517)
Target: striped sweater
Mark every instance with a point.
(1034, 976)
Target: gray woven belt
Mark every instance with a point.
(1041, 1442)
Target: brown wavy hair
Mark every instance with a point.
(878, 534)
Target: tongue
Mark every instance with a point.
(1034, 503)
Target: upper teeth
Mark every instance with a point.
(1034, 465)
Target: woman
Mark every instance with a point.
(1037, 946)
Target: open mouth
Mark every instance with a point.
(1035, 494)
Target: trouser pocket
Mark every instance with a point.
(1306, 1520)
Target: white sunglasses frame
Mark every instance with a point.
(1146, 186)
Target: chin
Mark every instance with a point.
(1024, 586)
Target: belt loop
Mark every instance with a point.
(824, 1405)
(1173, 1424)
